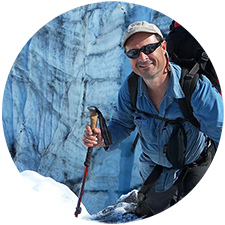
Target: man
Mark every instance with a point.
(158, 93)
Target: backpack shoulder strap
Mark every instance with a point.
(188, 82)
(151, 179)
(133, 86)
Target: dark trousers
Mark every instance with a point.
(203, 186)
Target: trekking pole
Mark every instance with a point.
(93, 118)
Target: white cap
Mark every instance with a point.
(140, 26)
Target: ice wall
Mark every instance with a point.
(72, 62)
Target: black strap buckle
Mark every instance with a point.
(204, 57)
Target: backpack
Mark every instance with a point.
(185, 51)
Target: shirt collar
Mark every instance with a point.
(174, 89)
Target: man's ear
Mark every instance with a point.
(164, 45)
(167, 67)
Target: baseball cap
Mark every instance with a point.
(140, 26)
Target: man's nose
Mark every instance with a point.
(143, 56)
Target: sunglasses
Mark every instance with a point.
(147, 49)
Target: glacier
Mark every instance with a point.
(74, 61)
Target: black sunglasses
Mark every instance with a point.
(147, 49)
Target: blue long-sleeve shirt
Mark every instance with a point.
(207, 106)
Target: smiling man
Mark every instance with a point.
(153, 67)
(160, 122)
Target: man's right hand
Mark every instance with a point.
(93, 138)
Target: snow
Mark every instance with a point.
(58, 197)
(51, 199)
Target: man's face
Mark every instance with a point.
(151, 65)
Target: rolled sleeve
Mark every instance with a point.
(208, 109)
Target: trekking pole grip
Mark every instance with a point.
(93, 117)
(93, 120)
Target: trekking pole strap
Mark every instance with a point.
(106, 135)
